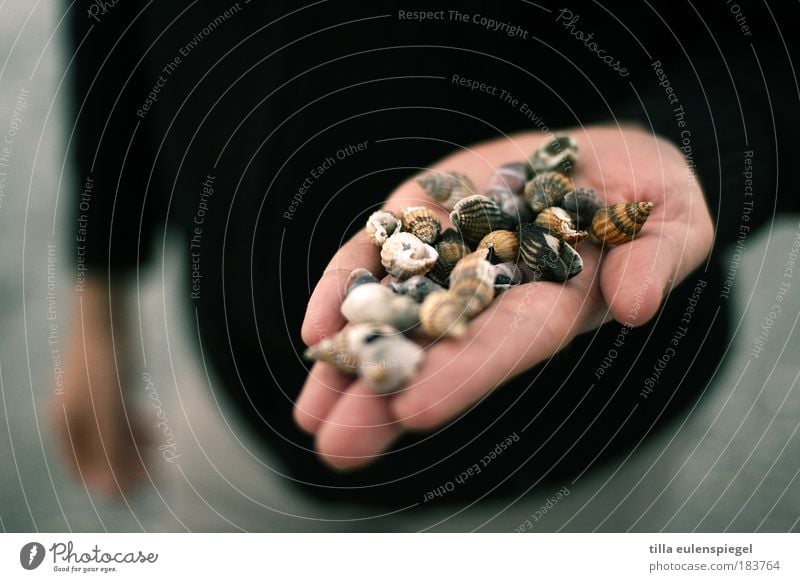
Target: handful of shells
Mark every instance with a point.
(525, 227)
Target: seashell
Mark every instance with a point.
(510, 177)
(477, 216)
(376, 304)
(548, 256)
(404, 255)
(387, 362)
(421, 222)
(620, 223)
(451, 249)
(381, 224)
(507, 275)
(441, 315)
(582, 204)
(377, 353)
(359, 277)
(504, 243)
(417, 288)
(547, 189)
(447, 188)
(558, 155)
(336, 350)
(559, 221)
(511, 204)
(472, 283)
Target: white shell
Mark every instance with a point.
(404, 255)
(381, 225)
(374, 303)
(388, 362)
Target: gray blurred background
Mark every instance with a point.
(731, 463)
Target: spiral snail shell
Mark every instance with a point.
(547, 189)
(547, 255)
(404, 255)
(441, 315)
(476, 216)
(451, 249)
(381, 224)
(558, 155)
(377, 304)
(472, 283)
(560, 222)
(620, 223)
(504, 243)
(446, 188)
(510, 177)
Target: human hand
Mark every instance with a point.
(526, 324)
(101, 440)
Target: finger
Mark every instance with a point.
(323, 387)
(359, 427)
(522, 327)
(636, 276)
(323, 318)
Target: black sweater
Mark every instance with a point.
(211, 120)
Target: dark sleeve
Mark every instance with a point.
(733, 113)
(114, 213)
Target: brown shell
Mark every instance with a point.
(477, 216)
(505, 244)
(514, 205)
(547, 189)
(511, 177)
(548, 256)
(472, 283)
(620, 223)
(560, 222)
(421, 222)
(447, 188)
(337, 351)
(442, 316)
(451, 249)
(560, 154)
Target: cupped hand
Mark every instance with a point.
(526, 324)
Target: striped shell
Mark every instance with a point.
(511, 177)
(548, 256)
(477, 216)
(504, 243)
(560, 222)
(620, 223)
(381, 224)
(558, 155)
(547, 189)
(447, 188)
(441, 315)
(421, 222)
(451, 249)
(582, 204)
(472, 283)
(404, 255)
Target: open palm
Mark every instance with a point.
(526, 324)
